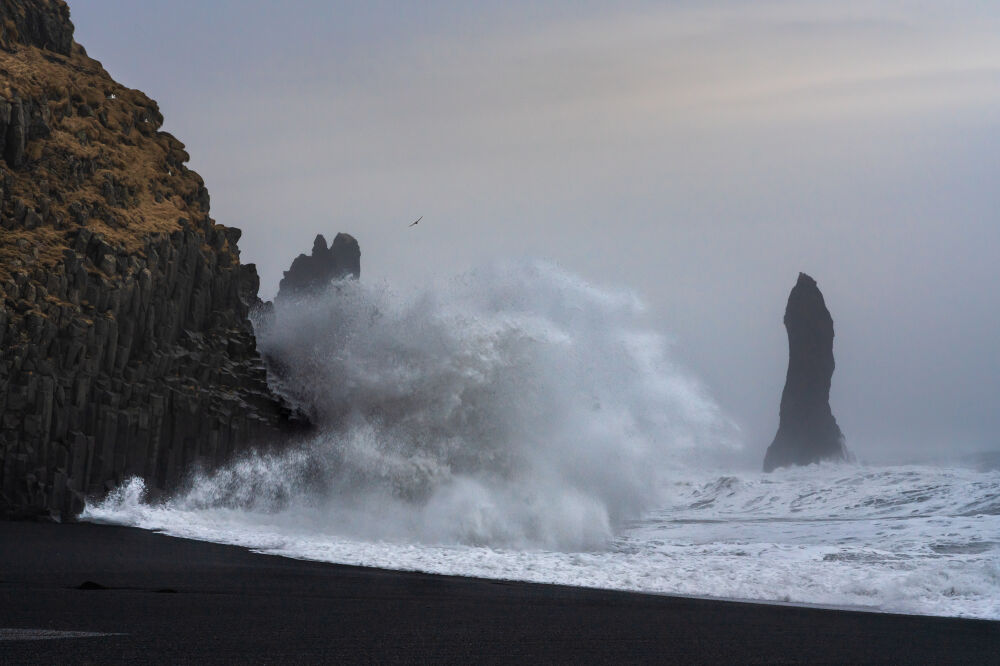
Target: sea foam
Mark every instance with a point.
(520, 423)
(516, 406)
(904, 539)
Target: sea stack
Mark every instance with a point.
(311, 274)
(807, 431)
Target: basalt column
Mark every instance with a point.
(126, 348)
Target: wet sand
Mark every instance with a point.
(128, 595)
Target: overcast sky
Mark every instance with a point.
(701, 153)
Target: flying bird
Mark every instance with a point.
(417, 221)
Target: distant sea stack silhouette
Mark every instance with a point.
(807, 432)
(310, 274)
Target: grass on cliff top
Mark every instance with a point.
(97, 120)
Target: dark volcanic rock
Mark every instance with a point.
(41, 23)
(808, 432)
(310, 274)
(125, 342)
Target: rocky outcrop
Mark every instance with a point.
(310, 274)
(41, 23)
(125, 344)
(807, 432)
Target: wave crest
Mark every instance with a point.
(516, 406)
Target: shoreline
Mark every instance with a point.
(582, 586)
(497, 571)
(133, 594)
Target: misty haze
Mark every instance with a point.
(702, 155)
(691, 298)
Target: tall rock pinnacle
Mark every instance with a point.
(807, 432)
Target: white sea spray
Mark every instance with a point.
(522, 424)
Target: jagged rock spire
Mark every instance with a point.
(310, 274)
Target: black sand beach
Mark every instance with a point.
(165, 600)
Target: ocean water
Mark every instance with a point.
(904, 539)
(520, 423)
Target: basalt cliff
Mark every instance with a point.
(807, 430)
(125, 344)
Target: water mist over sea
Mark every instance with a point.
(521, 423)
(516, 406)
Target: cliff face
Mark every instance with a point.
(807, 431)
(125, 344)
(40, 23)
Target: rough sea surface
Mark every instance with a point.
(521, 423)
(920, 540)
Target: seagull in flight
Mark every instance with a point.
(413, 224)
